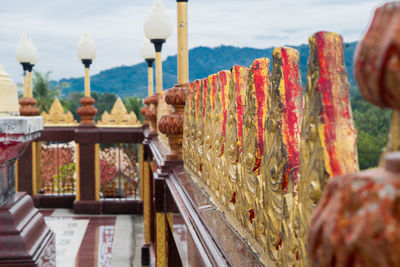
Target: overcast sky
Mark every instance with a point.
(116, 27)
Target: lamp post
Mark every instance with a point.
(27, 55)
(150, 112)
(34, 60)
(158, 28)
(183, 52)
(87, 53)
(149, 54)
(172, 124)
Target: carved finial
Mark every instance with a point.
(8, 95)
(119, 117)
(57, 116)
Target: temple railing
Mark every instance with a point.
(91, 169)
(263, 151)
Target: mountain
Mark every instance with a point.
(132, 80)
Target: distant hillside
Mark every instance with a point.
(132, 80)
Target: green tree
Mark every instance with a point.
(134, 104)
(372, 124)
(43, 92)
(72, 103)
(104, 102)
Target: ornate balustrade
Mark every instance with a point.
(91, 169)
(264, 151)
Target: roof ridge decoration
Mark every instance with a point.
(57, 116)
(119, 117)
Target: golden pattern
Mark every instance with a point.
(119, 117)
(57, 116)
(249, 159)
(147, 203)
(161, 246)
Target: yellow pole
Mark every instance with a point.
(30, 94)
(87, 82)
(183, 54)
(34, 170)
(158, 73)
(146, 203)
(150, 80)
(25, 85)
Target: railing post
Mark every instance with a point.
(88, 185)
(358, 212)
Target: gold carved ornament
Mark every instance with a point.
(186, 126)
(326, 149)
(208, 157)
(218, 135)
(119, 117)
(199, 128)
(282, 171)
(57, 116)
(231, 149)
(194, 157)
(255, 110)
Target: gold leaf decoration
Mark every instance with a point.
(57, 116)
(119, 117)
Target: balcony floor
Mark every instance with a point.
(95, 240)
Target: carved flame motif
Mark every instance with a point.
(57, 116)
(281, 152)
(254, 100)
(186, 128)
(326, 150)
(195, 107)
(249, 158)
(209, 127)
(218, 140)
(200, 125)
(119, 117)
(233, 132)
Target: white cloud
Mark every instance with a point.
(117, 27)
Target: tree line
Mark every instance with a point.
(45, 93)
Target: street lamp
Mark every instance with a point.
(28, 56)
(24, 56)
(32, 63)
(87, 53)
(149, 54)
(158, 28)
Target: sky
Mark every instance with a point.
(56, 26)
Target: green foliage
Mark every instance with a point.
(103, 102)
(372, 124)
(65, 177)
(43, 93)
(134, 104)
(71, 103)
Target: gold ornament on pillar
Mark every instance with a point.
(87, 53)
